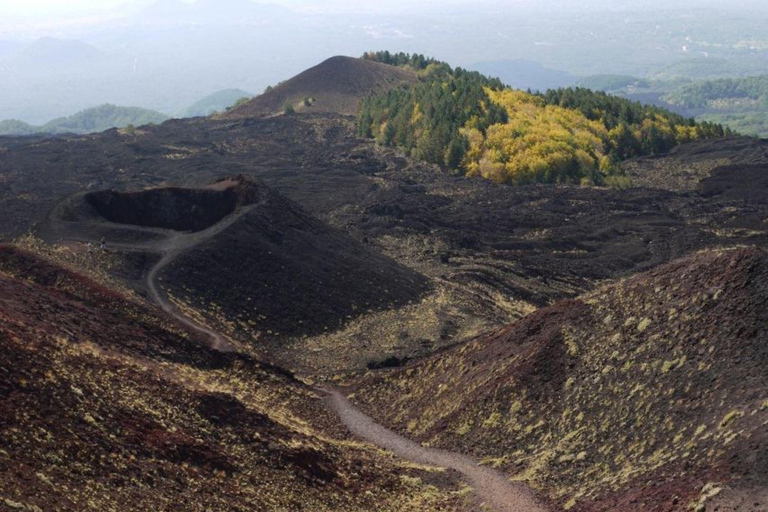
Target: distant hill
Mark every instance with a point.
(740, 103)
(216, 102)
(658, 378)
(699, 68)
(92, 120)
(336, 85)
(58, 52)
(16, 127)
(748, 92)
(611, 83)
(754, 124)
(526, 74)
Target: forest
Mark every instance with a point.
(474, 125)
(753, 89)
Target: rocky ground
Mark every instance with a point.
(632, 397)
(492, 253)
(647, 394)
(108, 404)
(246, 260)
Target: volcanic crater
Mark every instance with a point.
(171, 208)
(236, 249)
(174, 208)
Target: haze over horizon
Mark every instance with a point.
(58, 57)
(384, 255)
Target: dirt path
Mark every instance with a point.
(491, 486)
(169, 246)
(172, 248)
(218, 342)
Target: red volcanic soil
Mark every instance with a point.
(148, 334)
(106, 404)
(336, 85)
(632, 397)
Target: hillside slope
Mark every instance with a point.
(336, 85)
(250, 261)
(106, 404)
(633, 397)
(493, 252)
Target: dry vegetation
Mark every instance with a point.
(107, 405)
(635, 395)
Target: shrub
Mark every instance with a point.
(620, 182)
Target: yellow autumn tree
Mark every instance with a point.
(538, 143)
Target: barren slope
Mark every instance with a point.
(241, 257)
(633, 397)
(106, 404)
(493, 253)
(336, 85)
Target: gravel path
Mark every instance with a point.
(169, 245)
(491, 486)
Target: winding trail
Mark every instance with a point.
(170, 246)
(217, 341)
(491, 486)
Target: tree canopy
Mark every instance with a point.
(703, 94)
(472, 124)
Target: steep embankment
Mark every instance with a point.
(632, 397)
(336, 85)
(107, 404)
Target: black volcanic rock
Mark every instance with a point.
(336, 85)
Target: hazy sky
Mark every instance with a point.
(42, 7)
(117, 51)
(53, 7)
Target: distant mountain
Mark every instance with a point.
(49, 50)
(699, 68)
(336, 85)
(526, 74)
(16, 127)
(747, 93)
(92, 120)
(740, 103)
(102, 118)
(216, 102)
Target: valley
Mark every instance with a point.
(263, 310)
